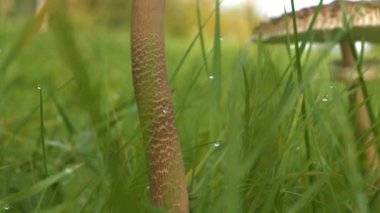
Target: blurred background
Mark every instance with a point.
(70, 139)
(238, 16)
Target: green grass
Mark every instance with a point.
(241, 130)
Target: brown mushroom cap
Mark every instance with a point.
(364, 18)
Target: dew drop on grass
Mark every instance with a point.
(331, 87)
(7, 207)
(298, 148)
(217, 145)
(68, 171)
(325, 98)
(38, 87)
(221, 38)
(211, 77)
(147, 189)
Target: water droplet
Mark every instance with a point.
(68, 170)
(147, 189)
(165, 109)
(325, 98)
(7, 207)
(38, 87)
(211, 77)
(332, 86)
(298, 148)
(221, 38)
(217, 144)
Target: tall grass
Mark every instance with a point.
(238, 113)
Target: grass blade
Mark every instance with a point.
(38, 187)
(42, 132)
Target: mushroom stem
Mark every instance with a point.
(361, 117)
(153, 98)
(348, 58)
(363, 125)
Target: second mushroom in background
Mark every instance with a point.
(364, 24)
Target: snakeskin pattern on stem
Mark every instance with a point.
(166, 173)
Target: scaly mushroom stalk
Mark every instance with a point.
(153, 98)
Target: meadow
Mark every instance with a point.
(71, 141)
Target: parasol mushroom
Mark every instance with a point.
(364, 21)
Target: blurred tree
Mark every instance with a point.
(181, 18)
(181, 15)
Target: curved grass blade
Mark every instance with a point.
(38, 187)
